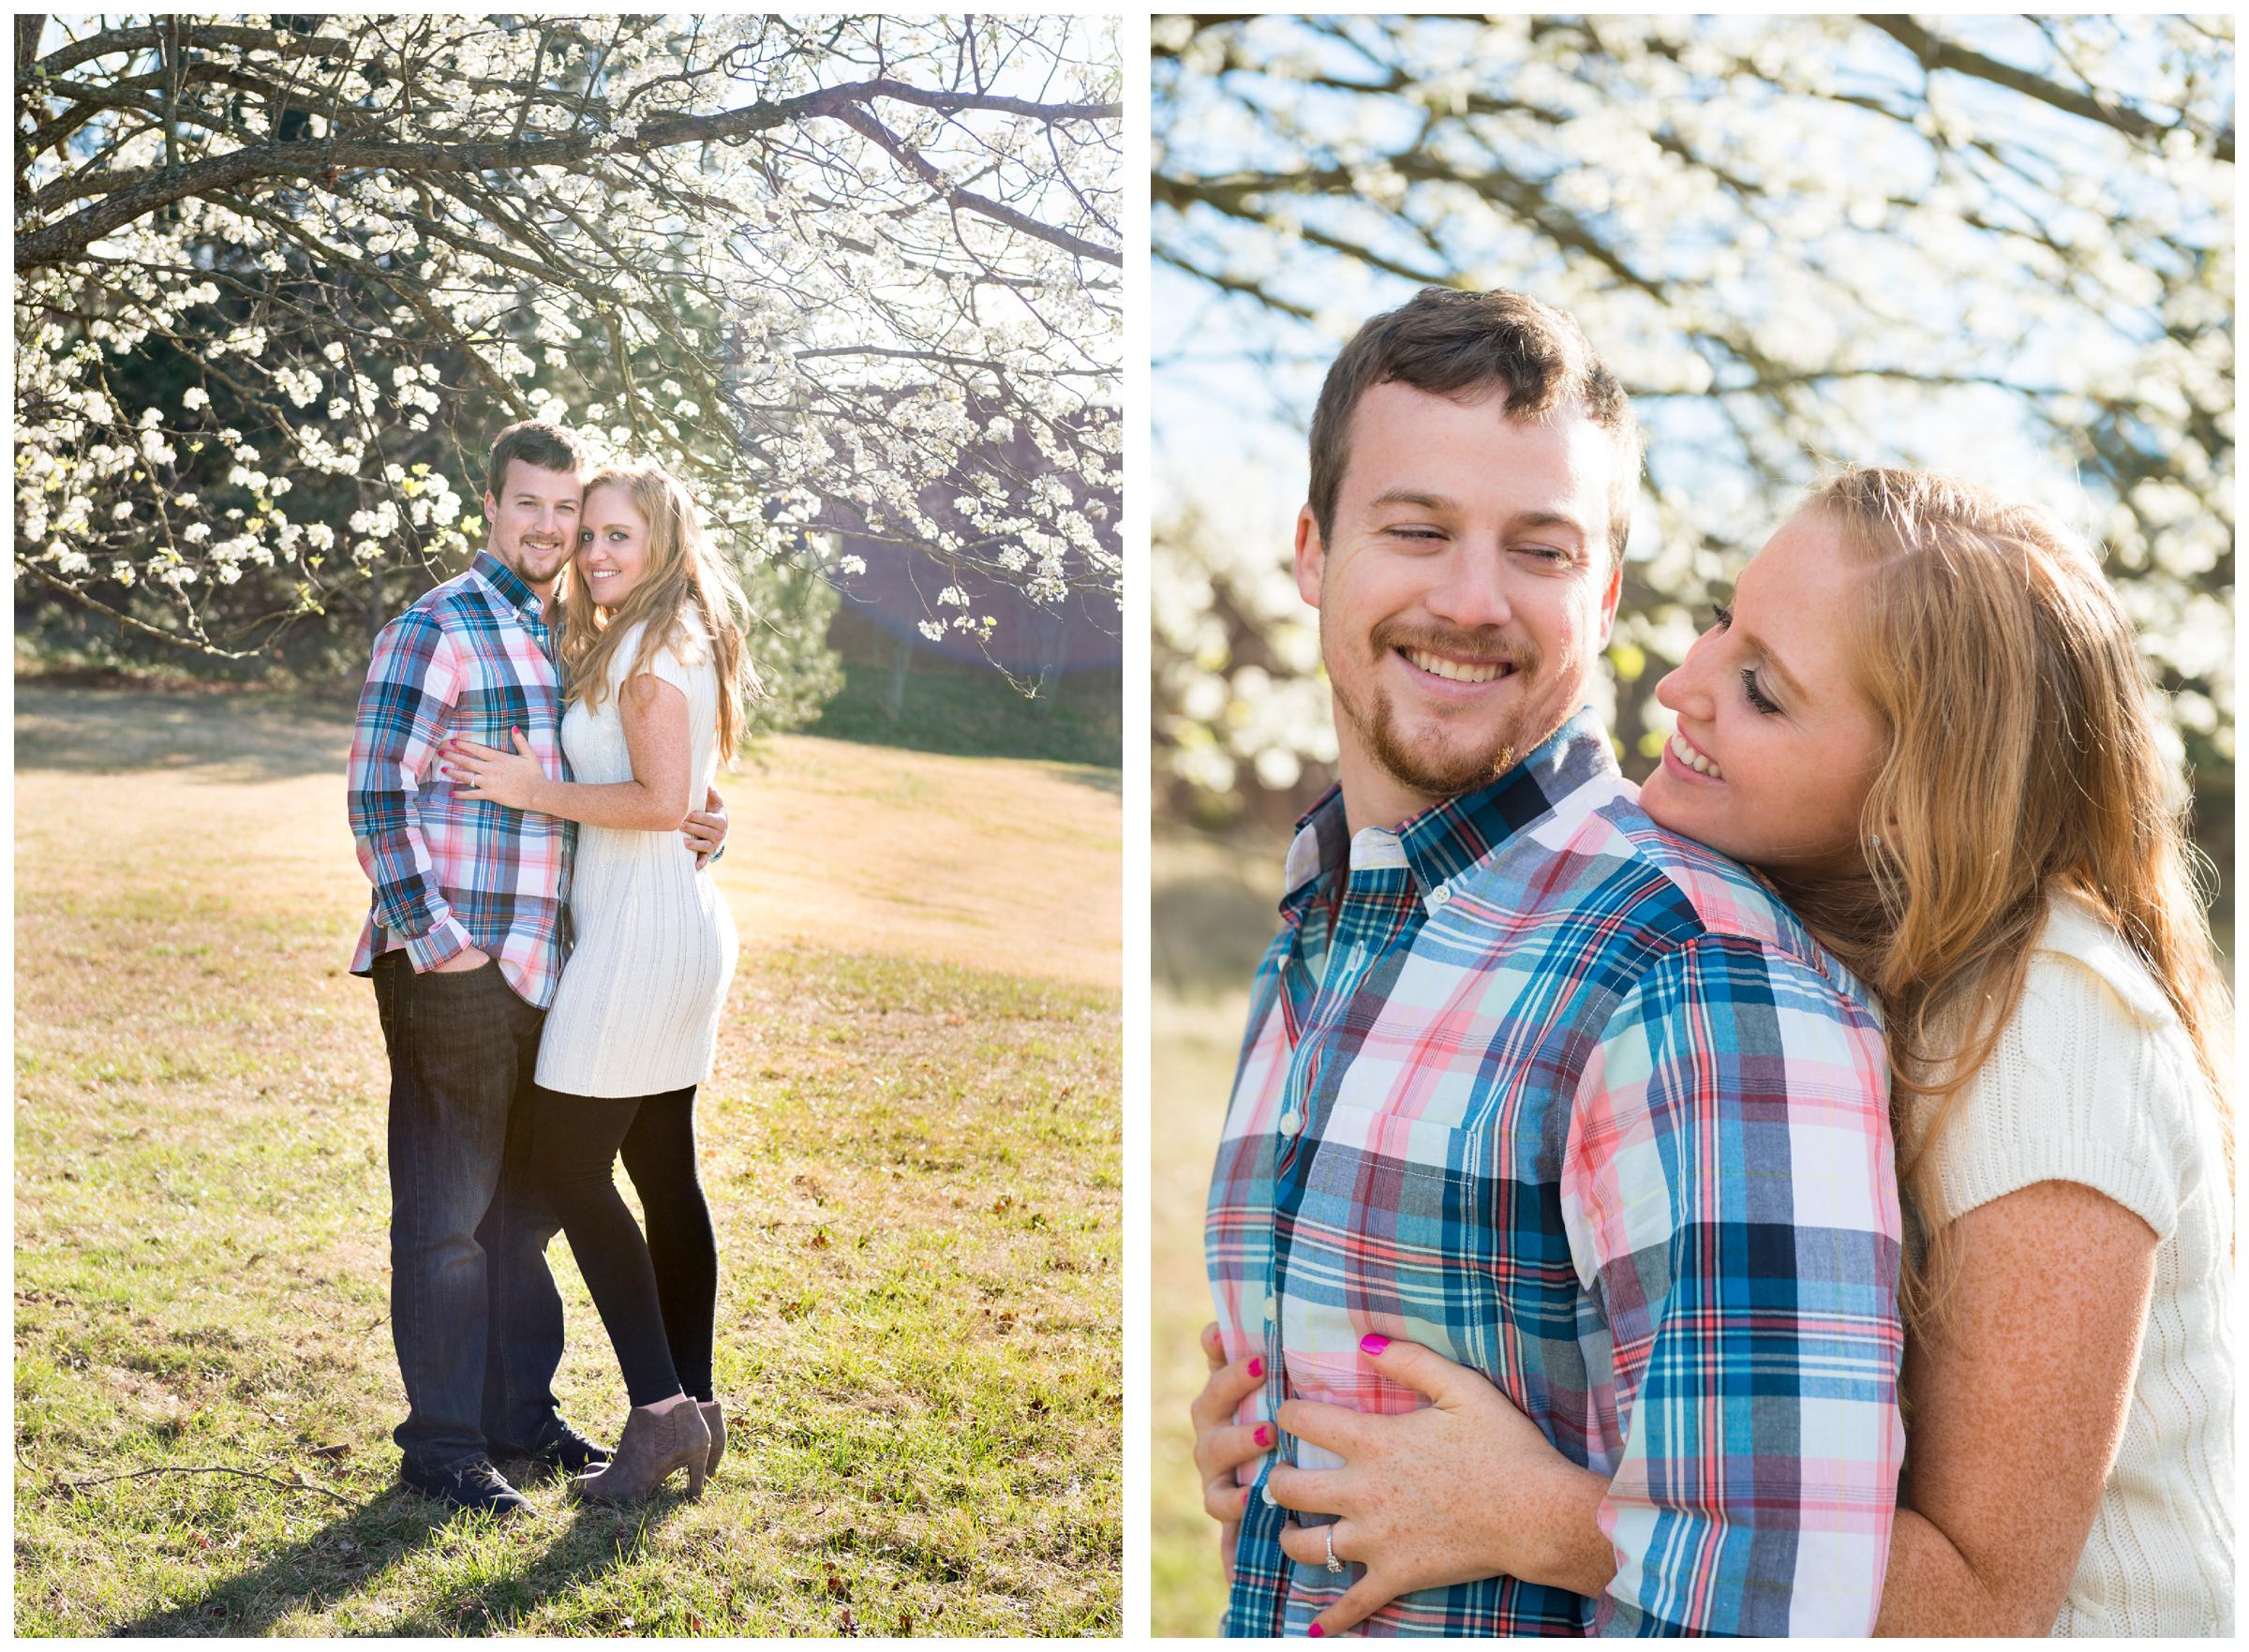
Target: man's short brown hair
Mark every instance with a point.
(535, 442)
(1464, 345)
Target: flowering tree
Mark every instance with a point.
(281, 278)
(2002, 246)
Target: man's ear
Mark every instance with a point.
(1311, 557)
(1609, 596)
(491, 508)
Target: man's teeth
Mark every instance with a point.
(1694, 759)
(1437, 666)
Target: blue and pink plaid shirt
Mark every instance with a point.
(1579, 1105)
(473, 657)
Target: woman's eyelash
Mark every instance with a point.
(1748, 687)
(1721, 616)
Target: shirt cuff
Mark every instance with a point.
(439, 942)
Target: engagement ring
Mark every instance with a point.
(1329, 1532)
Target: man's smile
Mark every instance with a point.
(1454, 668)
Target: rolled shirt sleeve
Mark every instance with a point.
(412, 683)
(1731, 1199)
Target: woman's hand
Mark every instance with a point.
(487, 776)
(705, 831)
(1462, 1489)
(1221, 1444)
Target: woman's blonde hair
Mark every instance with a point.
(685, 573)
(2023, 762)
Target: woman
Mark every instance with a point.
(1974, 812)
(654, 682)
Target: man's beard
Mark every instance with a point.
(1437, 768)
(539, 563)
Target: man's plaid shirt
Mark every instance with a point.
(1579, 1105)
(474, 657)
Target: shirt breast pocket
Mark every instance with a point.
(489, 712)
(1449, 1238)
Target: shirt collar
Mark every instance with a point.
(1446, 839)
(509, 583)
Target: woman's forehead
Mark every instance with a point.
(609, 500)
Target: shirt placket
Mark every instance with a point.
(1376, 912)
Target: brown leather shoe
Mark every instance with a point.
(653, 1446)
(715, 1419)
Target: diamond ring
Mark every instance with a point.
(1329, 1532)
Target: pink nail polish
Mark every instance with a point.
(1372, 1343)
(1257, 1368)
(1315, 1631)
(1264, 1435)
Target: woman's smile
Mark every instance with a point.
(1679, 752)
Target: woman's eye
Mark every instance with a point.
(1722, 617)
(1757, 699)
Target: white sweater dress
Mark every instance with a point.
(653, 944)
(2094, 1081)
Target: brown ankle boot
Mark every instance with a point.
(715, 1419)
(653, 1446)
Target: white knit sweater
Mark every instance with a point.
(2094, 1081)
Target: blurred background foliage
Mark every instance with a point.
(2002, 246)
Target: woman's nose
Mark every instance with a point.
(1685, 688)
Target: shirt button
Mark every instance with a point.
(1291, 1122)
(1272, 1310)
(1439, 897)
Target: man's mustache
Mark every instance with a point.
(1486, 645)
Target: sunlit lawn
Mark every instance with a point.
(911, 1139)
(1213, 917)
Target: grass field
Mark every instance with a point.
(910, 1138)
(1212, 917)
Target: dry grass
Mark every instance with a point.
(911, 1137)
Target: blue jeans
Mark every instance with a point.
(474, 1314)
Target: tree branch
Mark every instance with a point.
(1936, 52)
(60, 242)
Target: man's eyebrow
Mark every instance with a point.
(1549, 519)
(1415, 497)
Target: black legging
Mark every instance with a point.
(656, 1296)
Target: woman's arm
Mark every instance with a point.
(2014, 1414)
(655, 800)
(2014, 1409)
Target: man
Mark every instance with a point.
(1529, 1081)
(465, 943)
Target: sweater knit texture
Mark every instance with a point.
(652, 941)
(2094, 1081)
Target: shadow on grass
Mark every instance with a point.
(238, 734)
(1209, 931)
(350, 1554)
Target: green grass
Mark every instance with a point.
(914, 1165)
